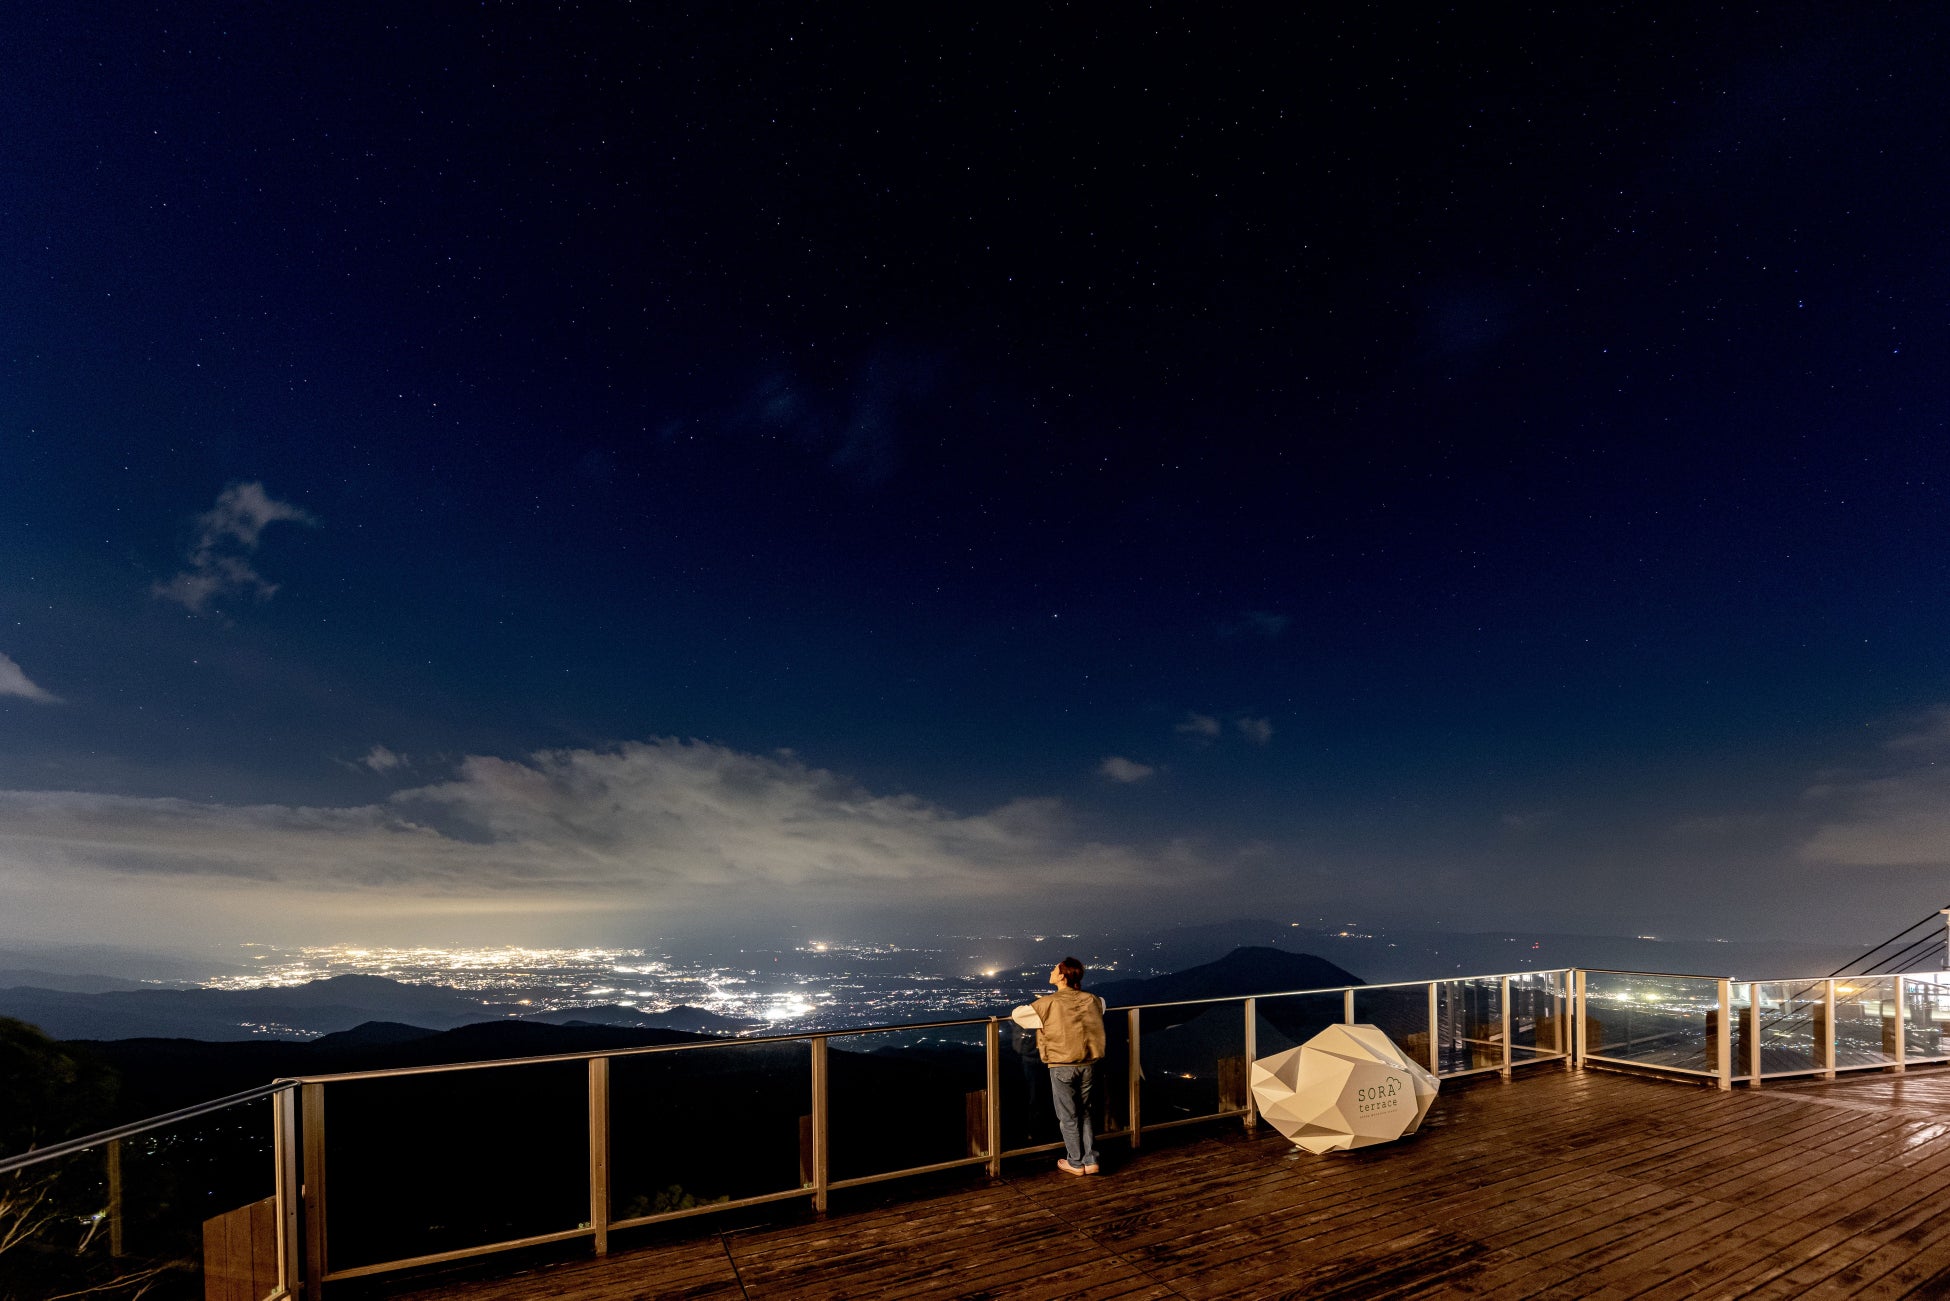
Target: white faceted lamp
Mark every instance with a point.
(1349, 1086)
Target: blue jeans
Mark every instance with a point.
(1074, 1091)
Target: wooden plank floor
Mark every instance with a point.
(1556, 1184)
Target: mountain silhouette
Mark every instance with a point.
(289, 1012)
(1250, 970)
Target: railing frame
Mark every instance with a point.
(299, 1118)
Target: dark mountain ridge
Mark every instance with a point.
(1249, 970)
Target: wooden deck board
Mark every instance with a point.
(1555, 1184)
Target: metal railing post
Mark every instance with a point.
(1828, 1039)
(1251, 1117)
(1505, 1005)
(1137, 1076)
(1347, 1005)
(1902, 1029)
(819, 1132)
(992, 1047)
(1723, 1050)
(284, 1152)
(1435, 1025)
(599, 1152)
(313, 1103)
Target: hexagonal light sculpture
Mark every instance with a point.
(1349, 1086)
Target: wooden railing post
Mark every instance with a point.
(992, 1048)
(1577, 1018)
(1347, 1005)
(1753, 1034)
(1900, 1049)
(284, 1152)
(114, 1155)
(820, 1131)
(1828, 1038)
(1723, 1048)
(1435, 1029)
(1504, 1003)
(599, 1153)
(1251, 1118)
(1137, 1075)
(313, 1103)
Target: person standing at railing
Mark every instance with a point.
(1071, 1042)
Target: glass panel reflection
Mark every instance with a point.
(1540, 1023)
(1791, 1026)
(691, 1128)
(1469, 1024)
(1664, 1021)
(1865, 1021)
(1402, 1013)
(1926, 1010)
(162, 1215)
(1289, 1020)
(1194, 1061)
(899, 1099)
(418, 1164)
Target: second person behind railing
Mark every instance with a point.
(1070, 1039)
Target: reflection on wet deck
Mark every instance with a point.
(1558, 1184)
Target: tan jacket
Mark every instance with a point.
(1073, 1027)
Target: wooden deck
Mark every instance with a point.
(1557, 1184)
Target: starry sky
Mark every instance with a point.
(572, 473)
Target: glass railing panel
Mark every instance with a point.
(419, 1164)
(1194, 1061)
(1469, 1024)
(1402, 1013)
(1659, 1021)
(163, 1215)
(1540, 1022)
(687, 1129)
(1865, 1021)
(1926, 1011)
(900, 1099)
(1289, 1020)
(1114, 1077)
(1028, 1118)
(1790, 1026)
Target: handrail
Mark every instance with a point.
(68, 1147)
(802, 1036)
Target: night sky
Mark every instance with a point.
(554, 474)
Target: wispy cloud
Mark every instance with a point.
(1127, 771)
(1930, 732)
(15, 682)
(1897, 818)
(1257, 730)
(1203, 726)
(662, 823)
(227, 538)
(380, 759)
(1263, 623)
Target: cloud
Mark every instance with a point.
(228, 535)
(14, 682)
(1899, 818)
(1896, 821)
(1932, 732)
(1120, 769)
(1264, 623)
(1203, 726)
(1257, 730)
(664, 823)
(380, 759)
